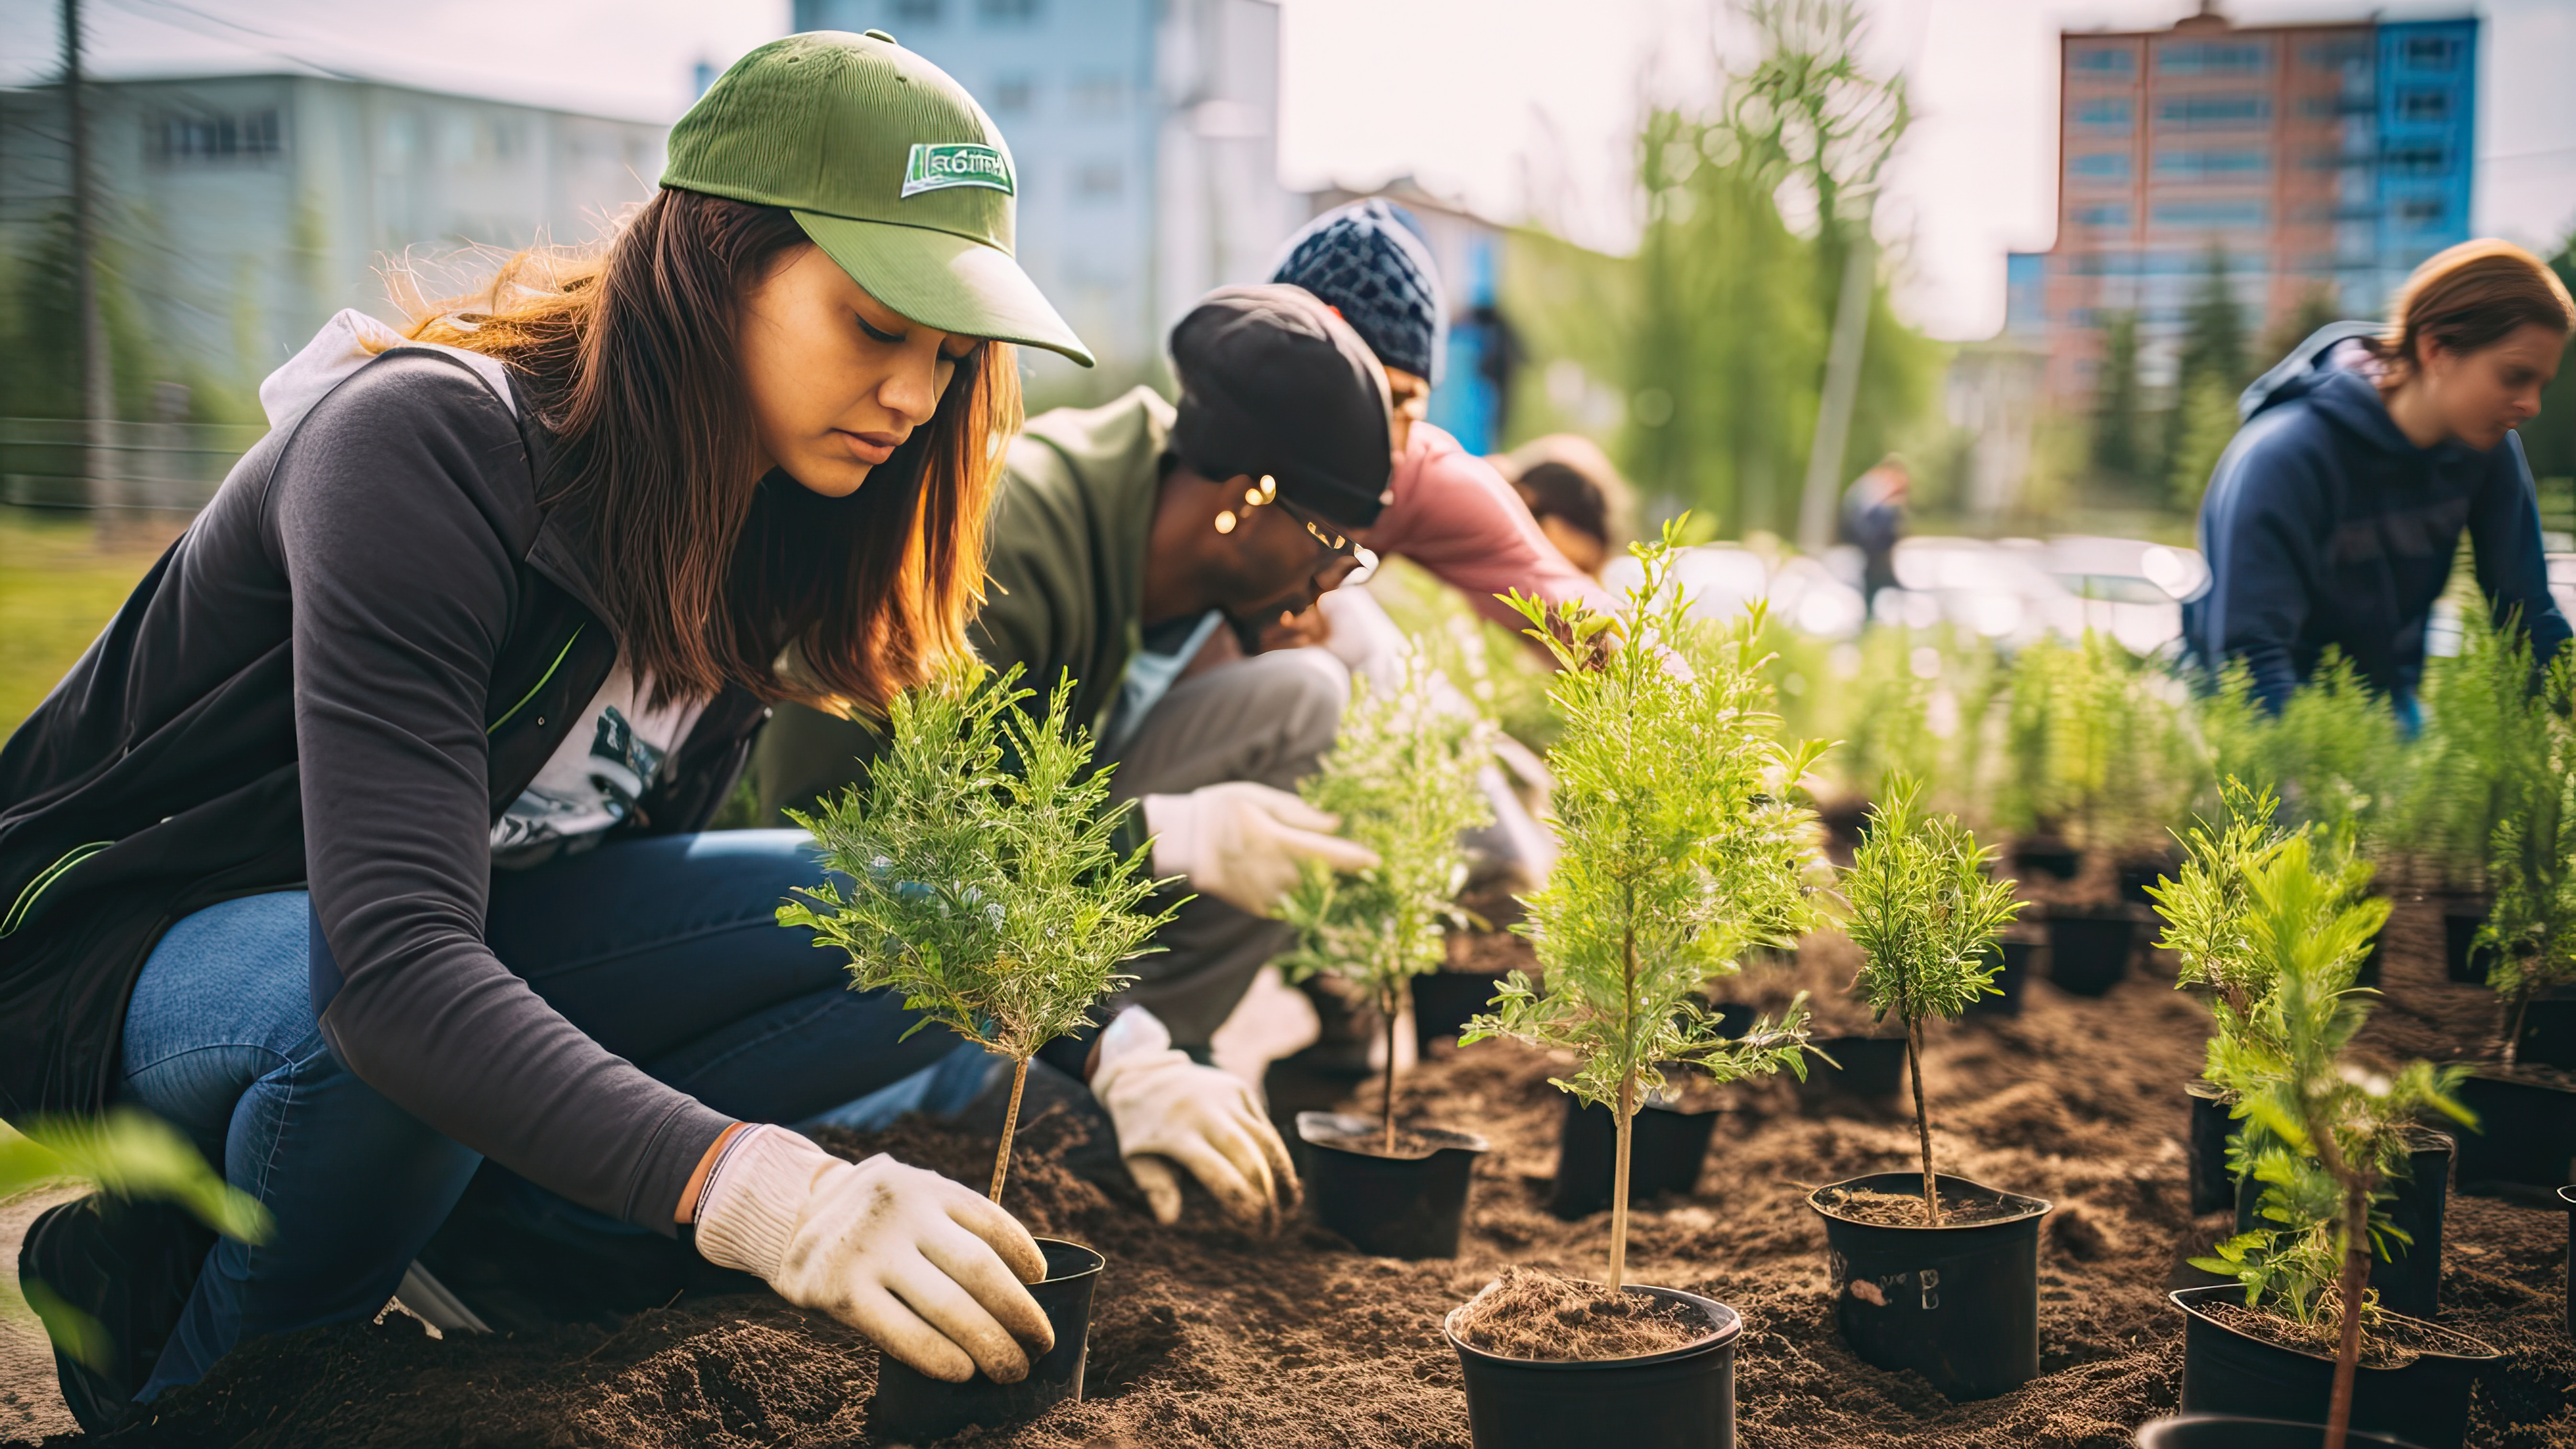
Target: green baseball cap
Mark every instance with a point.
(890, 167)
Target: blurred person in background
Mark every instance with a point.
(1874, 520)
(2335, 513)
(1574, 491)
(366, 842)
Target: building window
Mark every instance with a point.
(1007, 12)
(2211, 57)
(2423, 105)
(2429, 52)
(2099, 61)
(2417, 160)
(2100, 166)
(209, 139)
(2104, 116)
(1012, 95)
(2107, 215)
(2213, 113)
(2422, 212)
(1099, 94)
(2336, 54)
(1099, 181)
(916, 12)
(2218, 166)
(2197, 215)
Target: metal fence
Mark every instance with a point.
(175, 467)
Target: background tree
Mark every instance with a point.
(978, 873)
(1926, 917)
(2316, 306)
(2117, 448)
(2209, 372)
(1402, 777)
(1683, 848)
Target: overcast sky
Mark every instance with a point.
(1510, 105)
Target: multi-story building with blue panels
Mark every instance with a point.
(2312, 158)
(1145, 136)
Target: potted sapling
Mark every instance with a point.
(2484, 750)
(975, 873)
(1402, 777)
(1683, 847)
(1931, 1273)
(2306, 1337)
(2209, 912)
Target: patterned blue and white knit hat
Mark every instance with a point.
(1366, 261)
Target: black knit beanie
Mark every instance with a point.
(1366, 260)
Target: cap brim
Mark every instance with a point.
(943, 280)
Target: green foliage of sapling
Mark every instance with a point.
(978, 872)
(1684, 846)
(2483, 752)
(2334, 755)
(1402, 777)
(2531, 926)
(1926, 917)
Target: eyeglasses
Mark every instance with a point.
(1322, 532)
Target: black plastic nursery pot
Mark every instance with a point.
(1957, 1303)
(2567, 1200)
(1665, 1149)
(2137, 875)
(2409, 1279)
(2526, 1132)
(2088, 952)
(2010, 980)
(2549, 1030)
(1406, 1206)
(2462, 958)
(2048, 857)
(1860, 1066)
(2211, 1129)
(913, 1408)
(1682, 1398)
(2226, 1371)
(2232, 1431)
(1443, 1000)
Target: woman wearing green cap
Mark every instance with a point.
(363, 845)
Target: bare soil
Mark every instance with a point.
(1905, 1209)
(1202, 1336)
(2392, 1342)
(1536, 1315)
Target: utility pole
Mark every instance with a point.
(1842, 390)
(98, 388)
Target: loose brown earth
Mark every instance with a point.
(1203, 1336)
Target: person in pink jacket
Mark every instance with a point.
(1446, 508)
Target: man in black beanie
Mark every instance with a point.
(1125, 537)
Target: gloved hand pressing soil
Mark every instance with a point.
(1242, 842)
(1171, 1111)
(928, 1269)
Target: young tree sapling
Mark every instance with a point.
(1926, 917)
(2531, 927)
(1402, 777)
(979, 873)
(2290, 1067)
(1683, 848)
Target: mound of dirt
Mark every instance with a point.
(1205, 1336)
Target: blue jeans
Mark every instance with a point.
(664, 950)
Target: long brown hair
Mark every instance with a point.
(2473, 296)
(708, 573)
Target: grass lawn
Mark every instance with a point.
(57, 590)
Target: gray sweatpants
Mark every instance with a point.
(1269, 718)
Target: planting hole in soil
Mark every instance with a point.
(1407, 1203)
(1551, 1363)
(1957, 1303)
(912, 1407)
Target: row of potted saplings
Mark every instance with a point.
(994, 898)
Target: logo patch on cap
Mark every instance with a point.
(955, 163)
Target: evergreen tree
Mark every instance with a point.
(2116, 449)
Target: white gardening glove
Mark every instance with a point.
(1241, 842)
(1170, 1110)
(926, 1267)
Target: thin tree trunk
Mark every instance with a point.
(1387, 1108)
(1842, 388)
(1010, 1124)
(1619, 1183)
(1922, 1120)
(2355, 1282)
(2513, 1027)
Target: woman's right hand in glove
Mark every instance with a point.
(926, 1267)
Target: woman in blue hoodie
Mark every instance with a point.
(2334, 515)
